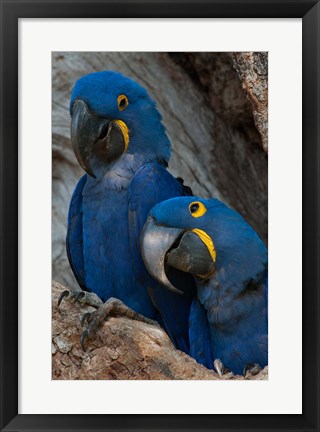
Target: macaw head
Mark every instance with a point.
(205, 238)
(112, 115)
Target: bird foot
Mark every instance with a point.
(220, 368)
(251, 369)
(82, 297)
(111, 308)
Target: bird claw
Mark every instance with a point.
(251, 369)
(84, 336)
(64, 294)
(82, 297)
(218, 365)
(85, 317)
(111, 308)
(79, 296)
(220, 368)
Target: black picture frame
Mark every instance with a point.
(11, 11)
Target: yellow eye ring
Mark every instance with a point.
(122, 102)
(197, 209)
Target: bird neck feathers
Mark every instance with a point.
(118, 175)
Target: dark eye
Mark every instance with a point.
(197, 209)
(122, 102)
(194, 207)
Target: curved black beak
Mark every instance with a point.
(181, 249)
(93, 135)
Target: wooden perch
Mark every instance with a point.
(123, 349)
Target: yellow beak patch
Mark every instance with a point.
(206, 239)
(125, 132)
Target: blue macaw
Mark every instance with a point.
(229, 264)
(120, 141)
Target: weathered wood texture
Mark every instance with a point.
(122, 349)
(215, 145)
(253, 72)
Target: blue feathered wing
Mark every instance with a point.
(74, 240)
(151, 185)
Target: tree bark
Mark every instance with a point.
(252, 69)
(122, 349)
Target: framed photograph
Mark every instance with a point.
(159, 216)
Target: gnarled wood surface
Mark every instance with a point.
(253, 72)
(122, 349)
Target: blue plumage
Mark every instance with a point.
(234, 294)
(125, 150)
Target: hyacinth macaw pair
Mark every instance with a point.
(211, 261)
